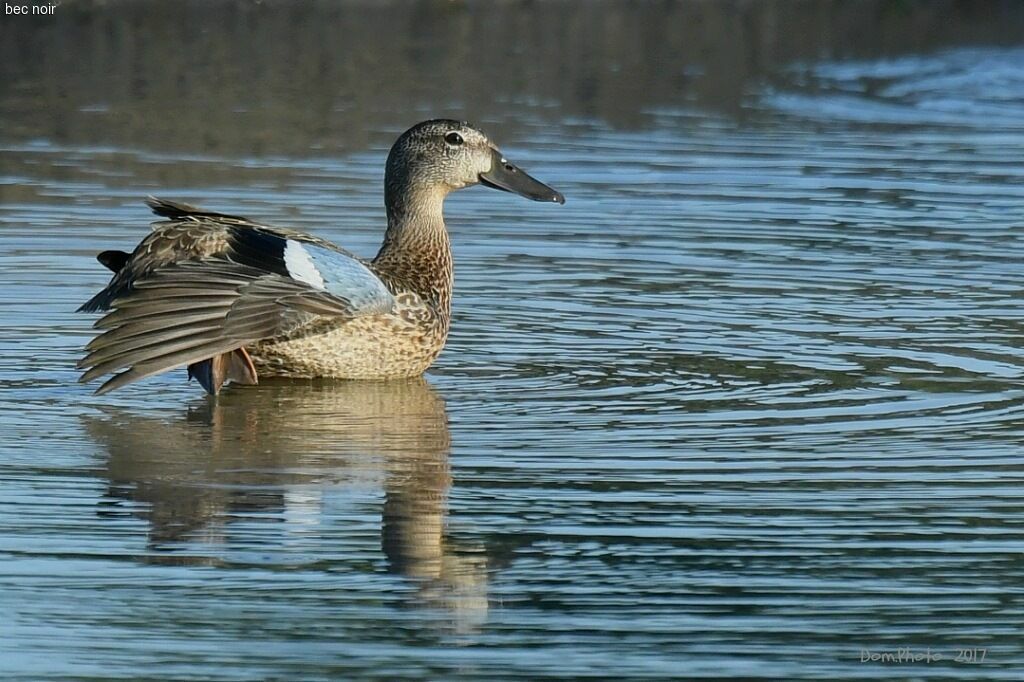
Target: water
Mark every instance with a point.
(747, 406)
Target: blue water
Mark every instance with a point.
(748, 406)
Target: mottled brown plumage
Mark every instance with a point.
(233, 299)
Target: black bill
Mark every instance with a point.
(510, 178)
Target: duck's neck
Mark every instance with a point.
(416, 254)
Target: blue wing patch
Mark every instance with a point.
(338, 274)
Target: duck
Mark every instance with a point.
(233, 300)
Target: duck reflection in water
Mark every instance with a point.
(272, 451)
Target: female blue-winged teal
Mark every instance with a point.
(232, 299)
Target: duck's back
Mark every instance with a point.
(193, 234)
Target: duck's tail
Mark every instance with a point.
(115, 262)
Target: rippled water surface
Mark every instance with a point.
(749, 405)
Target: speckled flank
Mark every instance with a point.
(395, 346)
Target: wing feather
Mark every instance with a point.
(190, 311)
(160, 365)
(103, 362)
(165, 320)
(139, 340)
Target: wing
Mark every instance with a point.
(191, 233)
(191, 311)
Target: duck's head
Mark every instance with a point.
(446, 155)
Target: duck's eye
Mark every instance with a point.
(453, 138)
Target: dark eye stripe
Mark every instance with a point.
(453, 138)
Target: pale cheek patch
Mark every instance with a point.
(300, 265)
